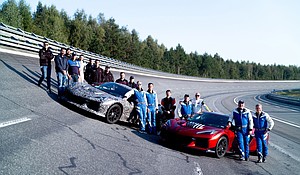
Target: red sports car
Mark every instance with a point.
(206, 132)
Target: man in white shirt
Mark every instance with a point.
(198, 104)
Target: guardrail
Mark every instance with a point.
(283, 99)
(30, 42)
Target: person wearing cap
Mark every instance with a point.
(73, 71)
(141, 104)
(131, 82)
(46, 57)
(198, 104)
(263, 123)
(122, 79)
(107, 75)
(89, 71)
(152, 108)
(97, 75)
(242, 119)
(81, 71)
(61, 68)
(185, 107)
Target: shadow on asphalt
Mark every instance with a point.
(33, 78)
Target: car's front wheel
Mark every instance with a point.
(221, 147)
(114, 113)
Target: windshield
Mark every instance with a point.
(211, 119)
(114, 89)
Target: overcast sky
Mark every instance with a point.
(261, 31)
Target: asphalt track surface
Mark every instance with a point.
(42, 136)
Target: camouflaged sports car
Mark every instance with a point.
(105, 100)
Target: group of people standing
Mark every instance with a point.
(69, 66)
(95, 75)
(147, 107)
(244, 122)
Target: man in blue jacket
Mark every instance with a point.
(242, 119)
(185, 107)
(263, 123)
(152, 108)
(61, 67)
(141, 104)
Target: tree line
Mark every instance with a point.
(106, 37)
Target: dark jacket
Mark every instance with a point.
(132, 85)
(45, 57)
(108, 77)
(97, 76)
(88, 74)
(125, 82)
(61, 63)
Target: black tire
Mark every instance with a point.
(114, 113)
(221, 147)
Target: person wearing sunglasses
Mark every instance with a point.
(198, 104)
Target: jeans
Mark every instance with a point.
(142, 113)
(74, 77)
(261, 143)
(243, 142)
(62, 83)
(46, 73)
(152, 119)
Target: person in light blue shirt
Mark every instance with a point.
(152, 108)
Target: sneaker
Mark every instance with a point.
(242, 158)
(246, 159)
(264, 159)
(259, 160)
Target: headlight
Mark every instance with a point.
(206, 132)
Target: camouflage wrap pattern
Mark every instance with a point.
(94, 100)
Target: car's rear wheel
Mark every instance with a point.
(221, 147)
(114, 113)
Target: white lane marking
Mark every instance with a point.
(198, 170)
(274, 104)
(284, 151)
(285, 122)
(13, 122)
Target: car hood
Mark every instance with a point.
(182, 127)
(89, 92)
